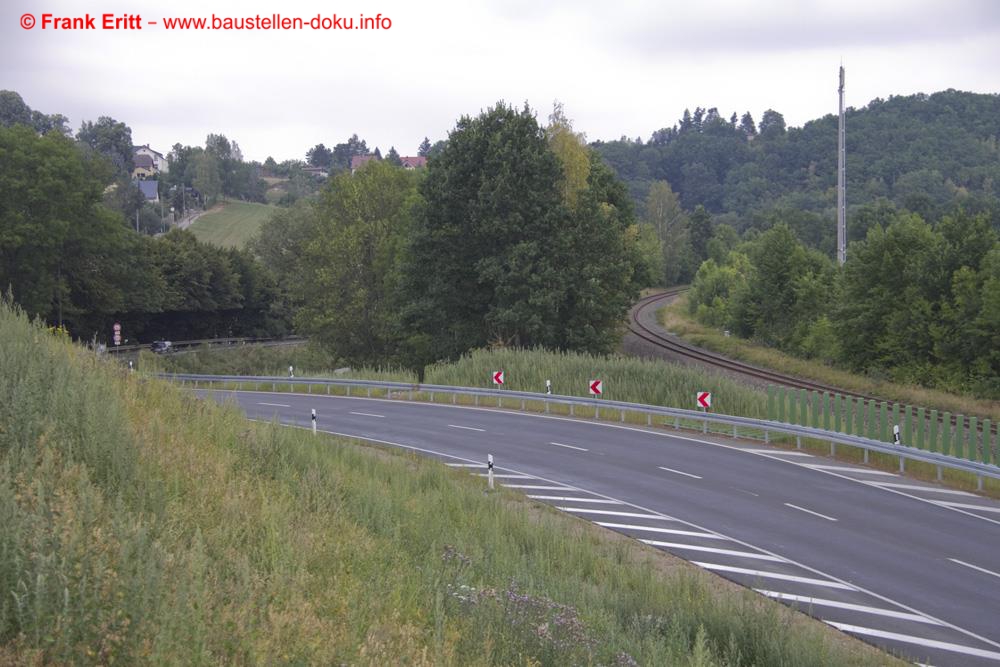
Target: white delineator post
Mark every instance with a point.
(314, 420)
(489, 470)
(895, 434)
(548, 387)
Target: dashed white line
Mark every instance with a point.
(559, 444)
(275, 405)
(367, 414)
(775, 575)
(778, 452)
(866, 471)
(974, 567)
(713, 550)
(914, 487)
(603, 501)
(652, 529)
(803, 509)
(467, 428)
(920, 641)
(678, 472)
(877, 611)
(631, 515)
(967, 506)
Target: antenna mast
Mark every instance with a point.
(841, 182)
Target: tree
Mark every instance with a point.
(772, 125)
(207, 180)
(351, 263)
(747, 126)
(342, 153)
(319, 156)
(13, 110)
(111, 139)
(377, 153)
(665, 215)
(701, 232)
(392, 157)
(425, 148)
(498, 258)
(571, 149)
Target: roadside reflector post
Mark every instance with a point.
(489, 470)
(895, 434)
(291, 371)
(314, 420)
(548, 387)
(131, 366)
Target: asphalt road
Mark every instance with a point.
(911, 567)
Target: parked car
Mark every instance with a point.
(160, 346)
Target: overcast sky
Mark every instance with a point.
(619, 68)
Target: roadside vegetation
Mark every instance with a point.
(140, 524)
(676, 318)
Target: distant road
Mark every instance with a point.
(905, 565)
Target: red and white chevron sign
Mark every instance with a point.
(704, 399)
(498, 377)
(596, 386)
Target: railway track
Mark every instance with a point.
(677, 347)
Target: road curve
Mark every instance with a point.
(907, 566)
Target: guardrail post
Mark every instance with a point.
(327, 389)
(348, 390)
(454, 399)
(622, 413)
(369, 392)
(522, 405)
(704, 426)
(946, 434)
(934, 431)
(477, 400)
(571, 411)
(902, 464)
(921, 423)
(767, 436)
(987, 442)
(798, 442)
(973, 451)
(649, 419)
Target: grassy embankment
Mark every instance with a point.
(140, 525)
(232, 223)
(676, 319)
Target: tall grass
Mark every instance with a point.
(140, 525)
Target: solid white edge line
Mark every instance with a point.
(714, 550)
(932, 489)
(654, 529)
(803, 509)
(468, 428)
(275, 405)
(678, 472)
(865, 471)
(967, 506)
(536, 487)
(777, 452)
(631, 515)
(807, 568)
(559, 444)
(764, 574)
(367, 414)
(920, 641)
(820, 602)
(974, 567)
(465, 465)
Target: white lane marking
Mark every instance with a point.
(775, 575)
(276, 405)
(466, 465)
(866, 471)
(603, 501)
(778, 452)
(877, 611)
(803, 509)
(678, 472)
(914, 487)
(651, 529)
(559, 444)
(713, 550)
(367, 414)
(505, 476)
(631, 515)
(652, 513)
(467, 428)
(537, 487)
(974, 567)
(920, 641)
(967, 506)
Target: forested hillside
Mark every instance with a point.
(925, 153)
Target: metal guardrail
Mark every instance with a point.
(678, 415)
(208, 342)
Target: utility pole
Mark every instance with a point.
(841, 181)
